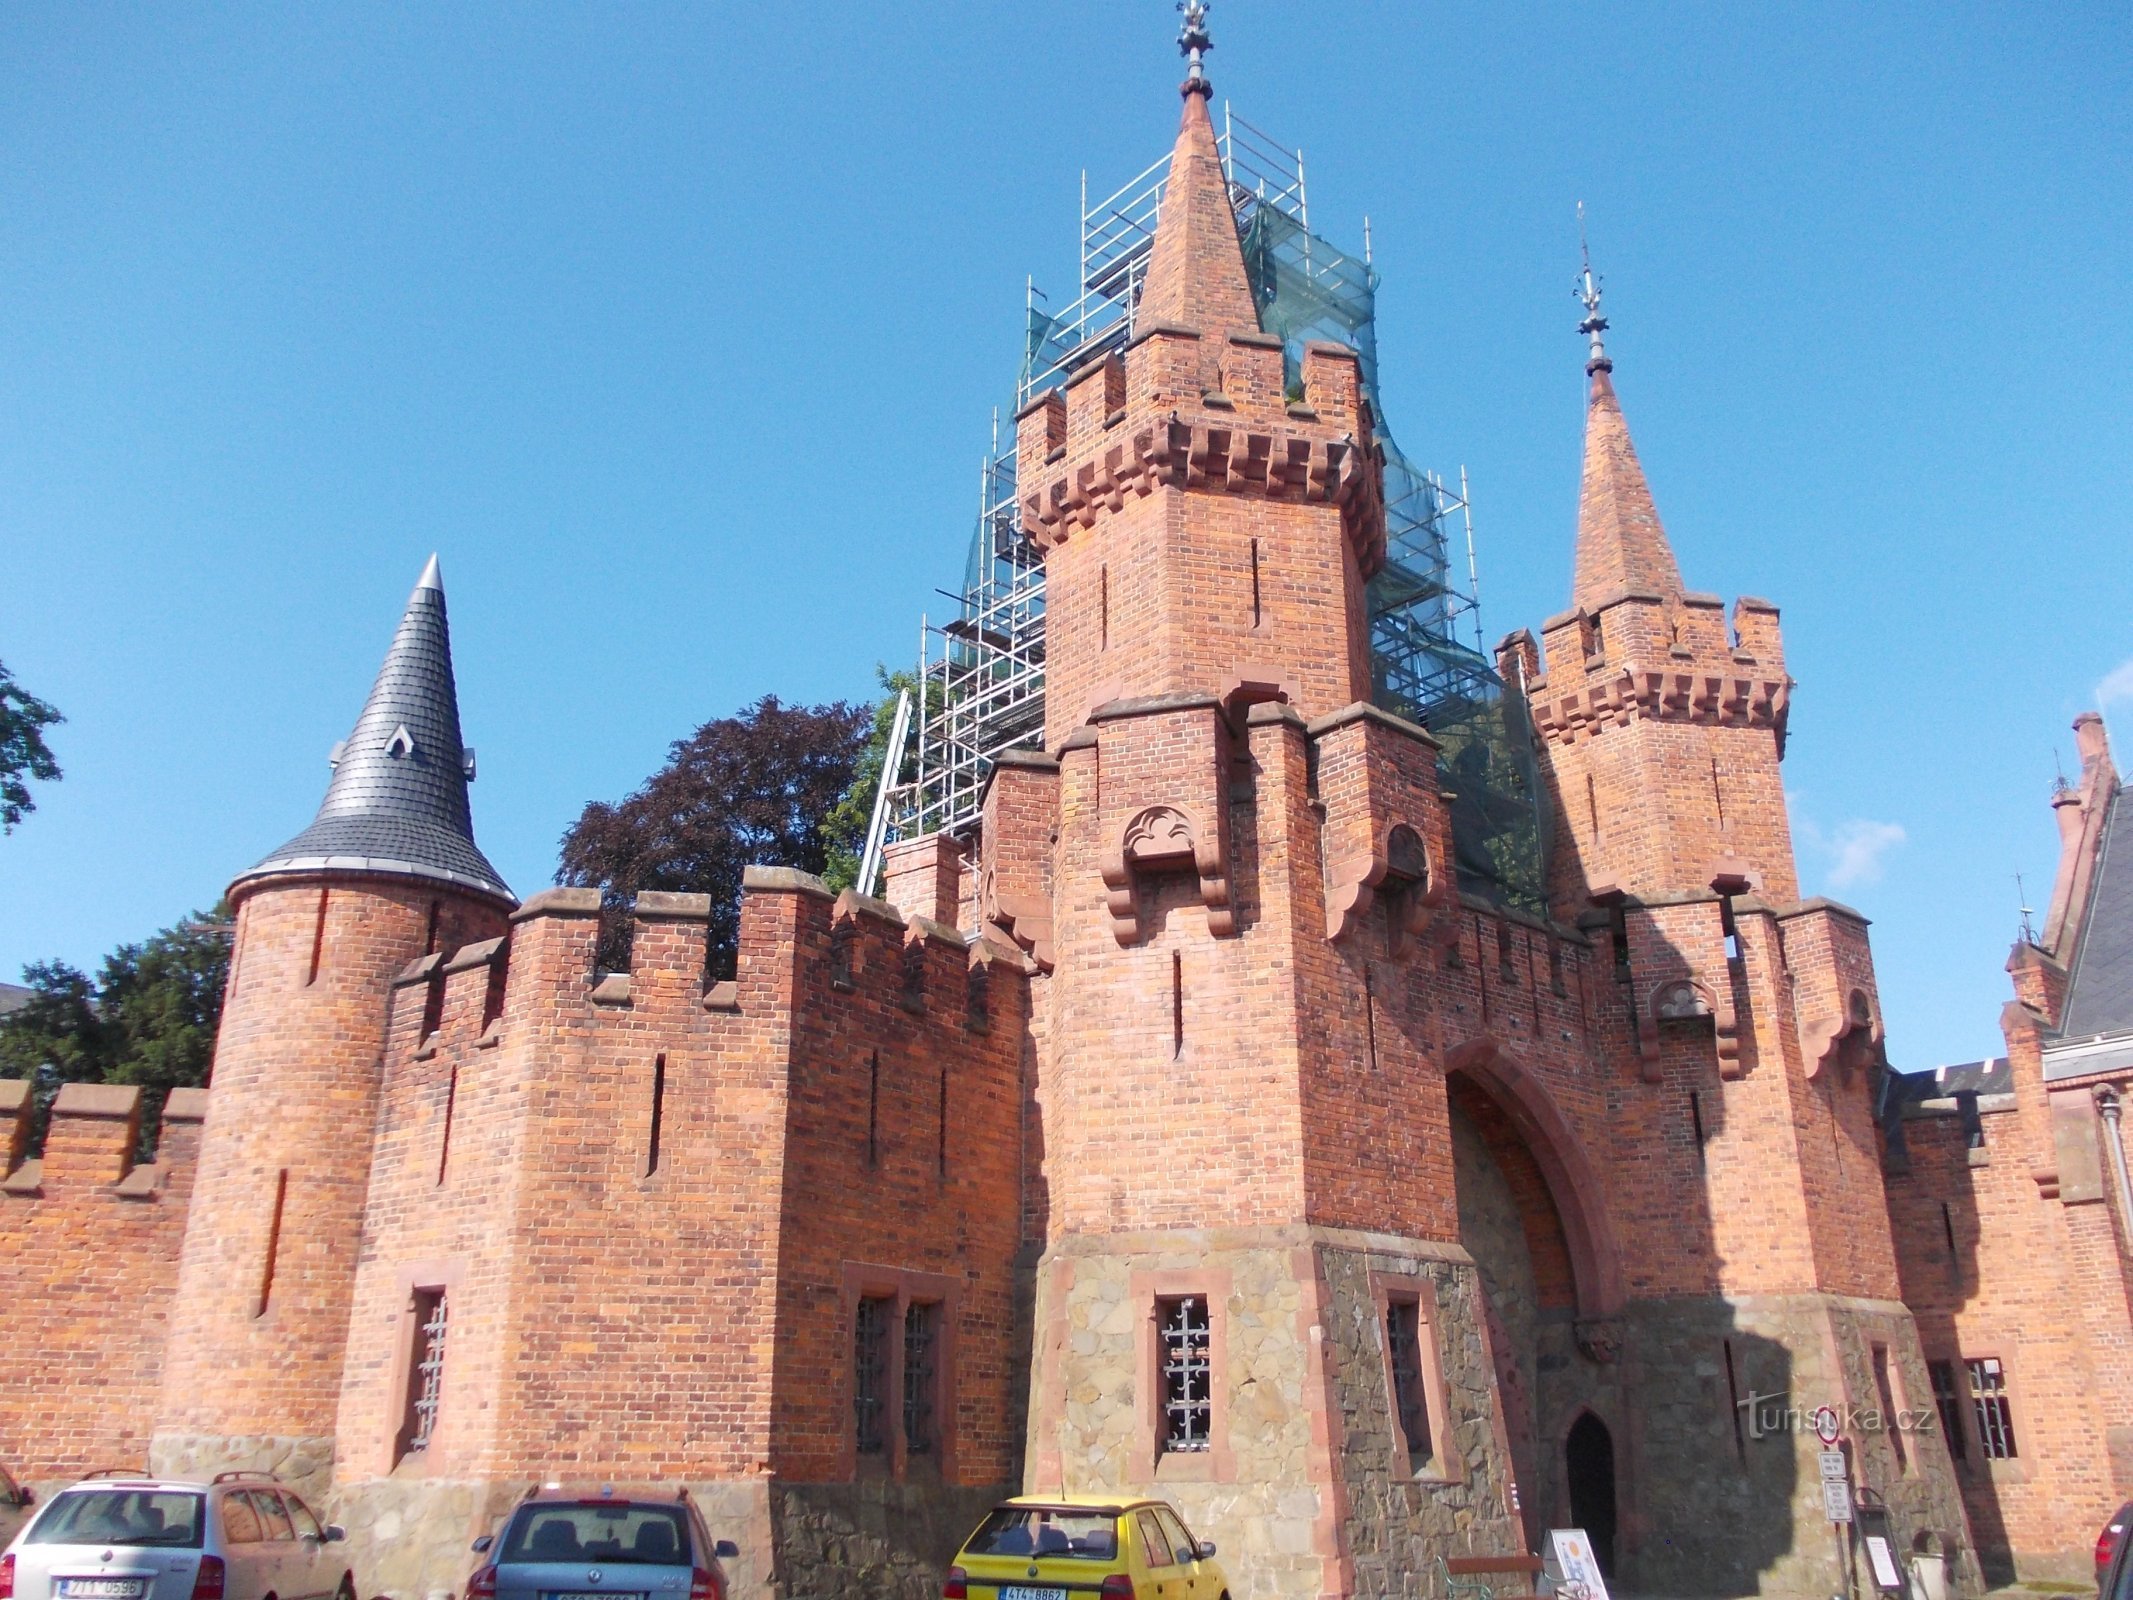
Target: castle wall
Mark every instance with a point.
(261, 1318)
(2009, 1250)
(89, 1246)
(677, 1308)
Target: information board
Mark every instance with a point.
(1573, 1566)
(1837, 1500)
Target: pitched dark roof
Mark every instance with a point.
(398, 800)
(2099, 989)
(1932, 1091)
(13, 997)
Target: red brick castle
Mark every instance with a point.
(1184, 1128)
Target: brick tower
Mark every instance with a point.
(1756, 1033)
(1244, 849)
(386, 872)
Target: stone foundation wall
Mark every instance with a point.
(1301, 1490)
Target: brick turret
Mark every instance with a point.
(387, 871)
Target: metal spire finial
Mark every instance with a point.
(1588, 291)
(1193, 45)
(2029, 933)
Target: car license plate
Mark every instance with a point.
(102, 1588)
(1023, 1591)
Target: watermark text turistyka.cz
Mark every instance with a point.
(1769, 1414)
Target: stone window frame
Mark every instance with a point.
(901, 1286)
(446, 1278)
(1146, 1290)
(1445, 1465)
(1994, 1345)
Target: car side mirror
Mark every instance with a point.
(333, 1533)
(1207, 1549)
(481, 1545)
(726, 1550)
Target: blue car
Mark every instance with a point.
(558, 1545)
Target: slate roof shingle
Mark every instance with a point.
(398, 800)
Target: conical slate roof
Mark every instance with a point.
(398, 800)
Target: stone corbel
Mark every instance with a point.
(1846, 1041)
(1024, 918)
(1681, 999)
(1599, 1339)
(1397, 869)
(1164, 839)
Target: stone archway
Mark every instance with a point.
(1531, 1216)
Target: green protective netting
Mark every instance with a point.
(1420, 669)
(1308, 289)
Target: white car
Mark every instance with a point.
(241, 1537)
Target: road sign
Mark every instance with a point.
(1837, 1500)
(1833, 1466)
(1826, 1421)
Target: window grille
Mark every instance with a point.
(870, 1374)
(1403, 1339)
(921, 1349)
(1989, 1405)
(1948, 1401)
(425, 1372)
(1187, 1372)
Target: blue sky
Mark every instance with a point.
(677, 330)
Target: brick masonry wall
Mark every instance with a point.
(88, 1264)
(617, 1320)
(262, 1312)
(2034, 1277)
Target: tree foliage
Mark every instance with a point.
(754, 789)
(848, 820)
(23, 753)
(148, 1019)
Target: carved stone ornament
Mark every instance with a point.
(1397, 871)
(1599, 1339)
(1847, 1042)
(1165, 839)
(1688, 1000)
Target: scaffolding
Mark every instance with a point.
(981, 672)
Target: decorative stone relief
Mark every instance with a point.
(1397, 871)
(1165, 839)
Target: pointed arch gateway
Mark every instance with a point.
(1573, 1186)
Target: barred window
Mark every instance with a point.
(425, 1371)
(1989, 1407)
(1187, 1372)
(1403, 1341)
(1948, 1401)
(870, 1374)
(921, 1349)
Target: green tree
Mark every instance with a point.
(149, 1019)
(23, 753)
(747, 790)
(845, 828)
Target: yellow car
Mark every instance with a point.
(1063, 1547)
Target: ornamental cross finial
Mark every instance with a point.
(1588, 291)
(1193, 44)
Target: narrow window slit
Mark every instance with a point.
(659, 1107)
(1592, 803)
(451, 1104)
(1103, 583)
(266, 1270)
(1256, 615)
(1177, 1004)
(318, 939)
(874, 1108)
(1696, 1122)
(1740, 1437)
(940, 1152)
(429, 937)
(1370, 1015)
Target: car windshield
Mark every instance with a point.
(121, 1516)
(1047, 1531)
(613, 1531)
